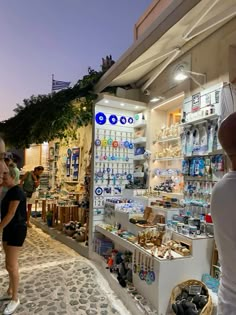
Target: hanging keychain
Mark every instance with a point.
(129, 175)
(141, 272)
(97, 141)
(134, 265)
(110, 140)
(139, 267)
(131, 146)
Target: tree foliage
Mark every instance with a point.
(46, 117)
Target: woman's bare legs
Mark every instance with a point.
(29, 207)
(9, 290)
(12, 254)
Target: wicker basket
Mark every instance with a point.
(208, 308)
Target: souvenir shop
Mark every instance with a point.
(153, 173)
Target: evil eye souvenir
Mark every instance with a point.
(98, 191)
(97, 142)
(115, 144)
(100, 118)
(113, 119)
(104, 143)
(126, 144)
(109, 141)
(121, 144)
(131, 146)
(136, 116)
(123, 120)
(129, 177)
(69, 152)
(130, 120)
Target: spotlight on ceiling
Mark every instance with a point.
(155, 99)
(182, 74)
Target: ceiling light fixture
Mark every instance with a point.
(122, 104)
(155, 99)
(106, 101)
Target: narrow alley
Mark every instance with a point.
(55, 280)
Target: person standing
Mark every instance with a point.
(14, 229)
(223, 210)
(29, 182)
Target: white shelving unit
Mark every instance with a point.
(200, 120)
(168, 273)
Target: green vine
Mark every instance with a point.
(46, 117)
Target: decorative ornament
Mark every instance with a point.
(123, 120)
(113, 119)
(115, 144)
(98, 191)
(136, 116)
(97, 142)
(100, 118)
(130, 120)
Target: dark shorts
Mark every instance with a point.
(14, 236)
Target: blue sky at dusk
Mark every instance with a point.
(64, 37)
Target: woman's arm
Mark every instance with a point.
(23, 179)
(36, 180)
(10, 213)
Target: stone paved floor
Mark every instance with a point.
(56, 280)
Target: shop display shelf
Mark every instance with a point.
(173, 139)
(168, 159)
(111, 278)
(140, 124)
(131, 246)
(138, 174)
(139, 157)
(200, 120)
(140, 140)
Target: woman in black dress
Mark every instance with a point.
(14, 228)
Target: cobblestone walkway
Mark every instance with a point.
(56, 280)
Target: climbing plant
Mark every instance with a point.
(46, 117)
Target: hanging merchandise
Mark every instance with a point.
(68, 162)
(100, 118)
(184, 142)
(203, 140)
(196, 141)
(130, 120)
(123, 120)
(113, 119)
(211, 131)
(75, 162)
(189, 143)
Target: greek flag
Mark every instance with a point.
(59, 85)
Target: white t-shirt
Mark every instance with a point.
(223, 209)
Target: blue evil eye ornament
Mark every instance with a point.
(97, 142)
(113, 119)
(123, 120)
(98, 191)
(130, 120)
(126, 144)
(100, 118)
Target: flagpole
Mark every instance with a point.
(52, 81)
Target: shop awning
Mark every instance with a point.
(179, 28)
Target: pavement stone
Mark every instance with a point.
(57, 280)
